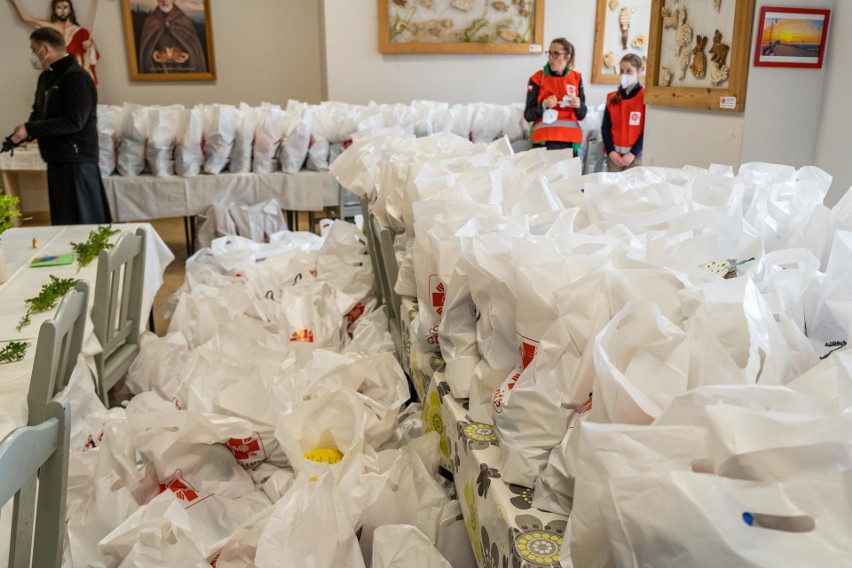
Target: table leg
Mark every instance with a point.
(190, 243)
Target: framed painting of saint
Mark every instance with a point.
(169, 40)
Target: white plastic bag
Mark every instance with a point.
(663, 519)
(312, 525)
(220, 126)
(109, 137)
(159, 151)
(241, 158)
(401, 546)
(601, 452)
(294, 148)
(189, 156)
(134, 135)
(272, 123)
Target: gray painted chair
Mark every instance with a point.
(117, 309)
(59, 342)
(40, 449)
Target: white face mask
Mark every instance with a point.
(36, 61)
(628, 81)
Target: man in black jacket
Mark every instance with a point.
(64, 120)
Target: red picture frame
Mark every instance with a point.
(791, 37)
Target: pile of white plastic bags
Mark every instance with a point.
(661, 350)
(269, 426)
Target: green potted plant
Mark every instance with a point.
(8, 210)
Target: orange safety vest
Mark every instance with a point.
(628, 120)
(567, 127)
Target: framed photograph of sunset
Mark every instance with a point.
(791, 37)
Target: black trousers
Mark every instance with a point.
(76, 193)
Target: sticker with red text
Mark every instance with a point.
(437, 291)
(182, 490)
(249, 452)
(527, 348)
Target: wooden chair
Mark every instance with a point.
(40, 449)
(60, 340)
(117, 309)
(29, 451)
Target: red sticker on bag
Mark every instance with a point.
(303, 335)
(249, 452)
(437, 292)
(527, 350)
(182, 490)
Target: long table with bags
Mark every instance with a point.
(146, 197)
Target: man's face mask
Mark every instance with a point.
(36, 61)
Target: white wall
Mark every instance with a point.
(780, 123)
(785, 130)
(358, 73)
(835, 125)
(265, 50)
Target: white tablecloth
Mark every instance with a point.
(26, 282)
(147, 197)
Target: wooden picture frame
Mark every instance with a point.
(181, 51)
(794, 37)
(461, 26)
(729, 94)
(610, 41)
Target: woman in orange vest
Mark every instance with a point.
(556, 102)
(623, 127)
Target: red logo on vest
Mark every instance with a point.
(635, 118)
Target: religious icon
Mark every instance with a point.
(169, 40)
(63, 19)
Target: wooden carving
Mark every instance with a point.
(719, 51)
(699, 60)
(683, 36)
(669, 19)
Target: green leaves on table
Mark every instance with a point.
(7, 202)
(98, 240)
(14, 351)
(47, 298)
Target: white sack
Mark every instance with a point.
(189, 155)
(109, 137)
(241, 158)
(312, 525)
(159, 151)
(401, 546)
(220, 125)
(134, 135)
